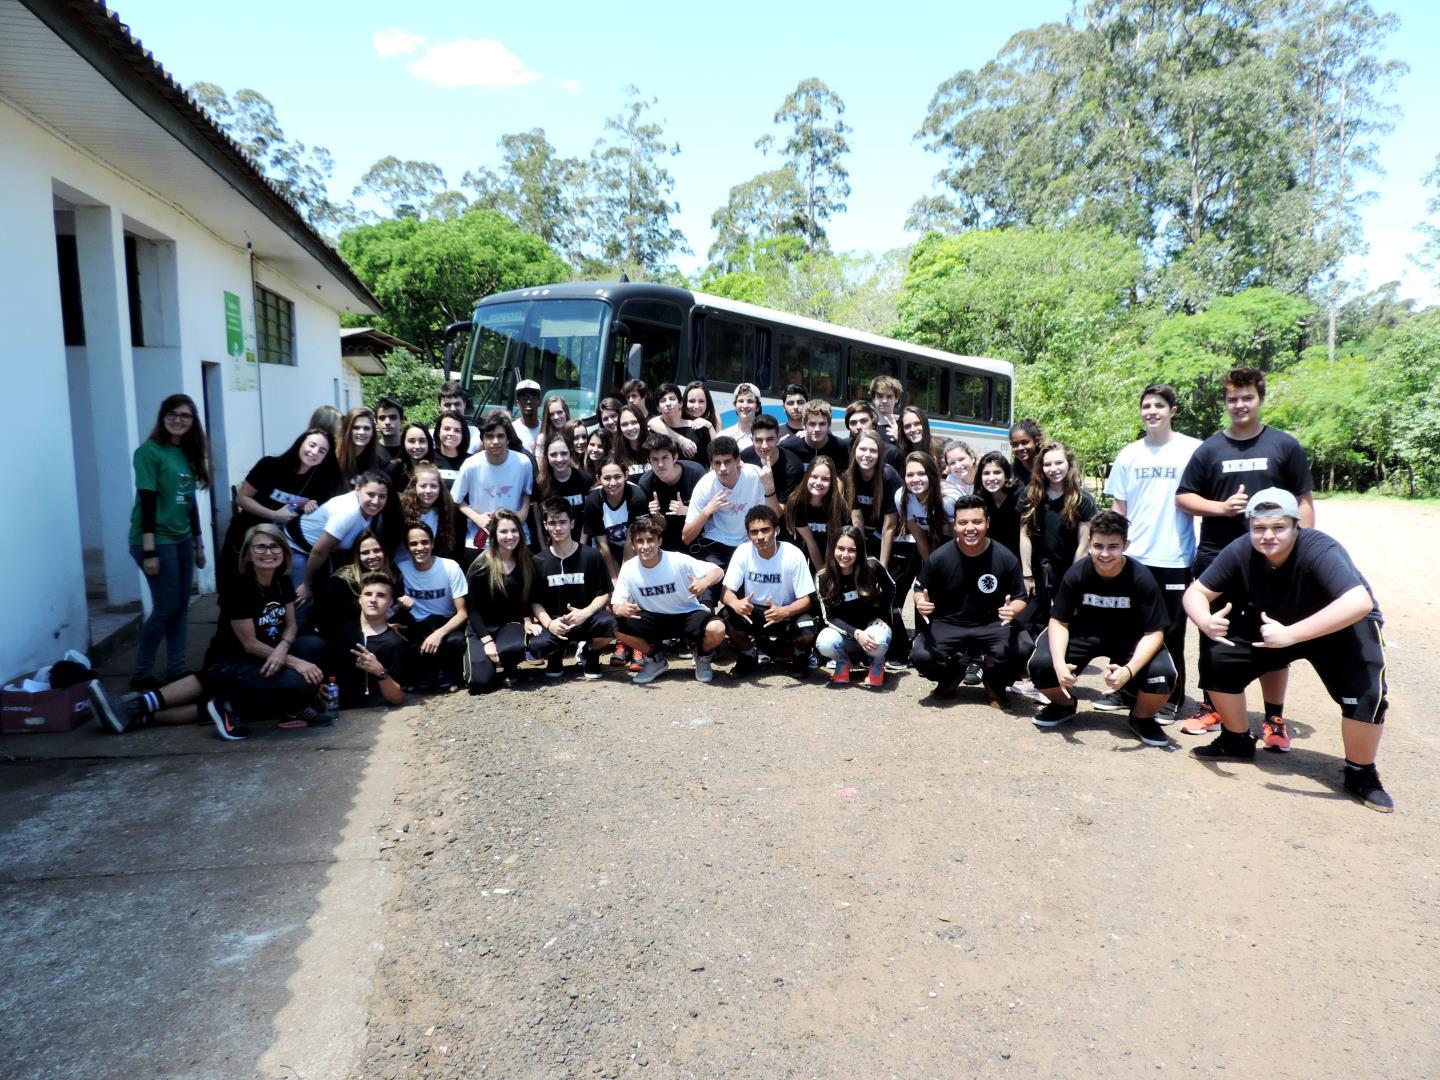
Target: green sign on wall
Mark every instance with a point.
(243, 375)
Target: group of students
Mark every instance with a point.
(388, 557)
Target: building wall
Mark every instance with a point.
(111, 389)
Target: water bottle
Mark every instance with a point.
(330, 694)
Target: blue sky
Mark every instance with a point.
(719, 73)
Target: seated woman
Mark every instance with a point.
(338, 601)
(257, 666)
(856, 598)
(503, 591)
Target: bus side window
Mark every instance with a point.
(864, 367)
(967, 395)
(654, 325)
(925, 388)
(729, 351)
(1000, 399)
(813, 362)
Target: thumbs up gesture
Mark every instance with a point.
(1235, 505)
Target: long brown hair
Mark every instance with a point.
(1073, 493)
(936, 526)
(192, 444)
(494, 569)
(354, 462)
(623, 453)
(837, 509)
(828, 580)
(854, 481)
(446, 513)
(352, 573)
(546, 427)
(928, 443)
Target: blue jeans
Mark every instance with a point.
(169, 608)
(840, 646)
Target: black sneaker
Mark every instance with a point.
(1228, 746)
(1148, 731)
(116, 716)
(1168, 714)
(555, 666)
(1055, 714)
(1111, 702)
(1364, 784)
(745, 663)
(972, 674)
(590, 669)
(948, 687)
(226, 723)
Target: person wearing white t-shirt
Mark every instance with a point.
(527, 404)
(715, 521)
(657, 599)
(437, 589)
(497, 479)
(332, 527)
(1143, 482)
(769, 597)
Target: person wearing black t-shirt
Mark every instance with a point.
(692, 437)
(995, 483)
(817, 439)
(365, 652)
(606, 514)
(503, 586)
(1225, 470)
(667, 487)
(764, 449)
(1283, 594)
(279, 489)
(861, 416)
(572, 597)
(967, 595)
(1106, 605)
(856, 597)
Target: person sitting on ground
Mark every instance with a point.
(1291, 593)
(366, 652)
(572, 602)
(769, 597)
(503, 586)
(257, 667)
(656, 599)
(967, 595)
(1106, 605)
(437, 615)
(856, 596)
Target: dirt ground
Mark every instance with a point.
(780, 879)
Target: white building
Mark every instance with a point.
(139, 252)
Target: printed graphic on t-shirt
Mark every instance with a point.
(270, 622)
(428, 594)
(1155, 472)
(1095, 600)
(555, 581)
(988, 583)
(1250, 464)
(668, 589)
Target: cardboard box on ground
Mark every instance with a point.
(33, 705)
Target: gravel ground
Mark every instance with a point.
(775, 878)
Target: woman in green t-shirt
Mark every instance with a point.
(165, 535)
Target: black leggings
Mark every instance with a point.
(904, 567)
(481, 673)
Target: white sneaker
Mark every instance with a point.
(704, 668)
(651, 669)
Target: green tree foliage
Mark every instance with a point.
(767, 207)
(300, 172)
(410, 381)
(856, 291)
(534, 187)
(1430, 228)
(814, 150)
(627, 207)
(1226, 139)
(410, 189)
(428, 274)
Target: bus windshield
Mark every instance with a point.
(558, 343)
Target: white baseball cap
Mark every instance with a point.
(527, 384)
(1279, 499)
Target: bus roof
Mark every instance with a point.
(618, 291)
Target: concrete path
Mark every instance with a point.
(181, 906)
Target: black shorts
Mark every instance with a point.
(943, 642)
(1354, 678)
(1157, 677)
(798, 627)
(652, 627)
(599, 625)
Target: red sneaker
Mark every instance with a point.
(1275, 734)
(876, 678)
(1205, 720)
(842, 673)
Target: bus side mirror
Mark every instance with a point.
(452, 335)
(634, 359)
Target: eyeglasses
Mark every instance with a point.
(266, 549)
(173, 415)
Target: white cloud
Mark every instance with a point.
(570, 86)
(396, 41)
(469, 62)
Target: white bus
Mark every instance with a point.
(583, 340)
